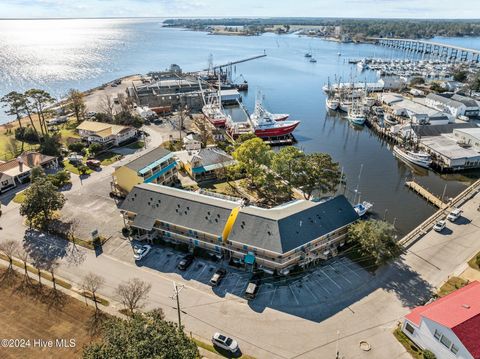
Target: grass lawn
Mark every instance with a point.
(451, 285)
(107, 158)
(475, 261)
(34, 313)
(19, 197)
(136, 145)
(71, 168)
(410, 346)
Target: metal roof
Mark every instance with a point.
(148, 159)
(278, 229)
(438, 130)
(445, 100)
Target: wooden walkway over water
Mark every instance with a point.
(414, 186)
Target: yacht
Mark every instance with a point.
(362, 208)
(421, 159)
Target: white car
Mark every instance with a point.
(439, 225)
(139, 252)
(454, 215)
(225, 342)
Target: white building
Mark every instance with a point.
(191, 143)
(443, 103)
(469, 137)
(471, 106)
(105, 133)
(450, 326)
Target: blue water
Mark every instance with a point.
(57, 55)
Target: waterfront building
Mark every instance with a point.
(296, 233)
(471, 106)
(106, 134)
(205, 164)
(17, 171)
(155, 166)
(449, 326)
(443, 103)
(469, 137)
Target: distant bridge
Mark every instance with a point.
(449, 53)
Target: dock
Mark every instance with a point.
(431, 198)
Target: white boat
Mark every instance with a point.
(361, 65)
(389, 120)
(362, 208)
(344, 105)
(356, 115)
(313, 60)
(421, 159)
(332, 103)
(260, 112)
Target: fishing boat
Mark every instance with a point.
(264, 125)
(421, 159)
(356, 115)
(345, 105)
(260, 111)
(362, 208)
(332, 103)
(212, 109)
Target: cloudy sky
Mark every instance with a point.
(264, 8)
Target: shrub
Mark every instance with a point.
(427, 354)
(51, 145)
(95, 148)
(477, 260)
(26, 134)
(76, 147)
(60, 179)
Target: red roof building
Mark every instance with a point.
(449, 326)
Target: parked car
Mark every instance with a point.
(218, 276)
(225, 342)
(252, 287)
(186, 261)
(93, 164)
(439, 225)
(140, 252)
(454, 214)
(75, 158)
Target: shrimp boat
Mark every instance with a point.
(264, 125)
(332, 103)
(212, 109)
(362, 208)
(260, 111)
(356, 113)
(421, 159)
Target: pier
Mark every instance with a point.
(238, 62)
(414, 186)
(448, 53)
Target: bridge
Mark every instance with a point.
(449, 53)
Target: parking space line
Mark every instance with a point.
(203, 269)
(326, 275)
(294, 296)
(320, 284)
(338, 271)
(344, 262)
(309, 290)
(274, 292)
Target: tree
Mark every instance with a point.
(133, 293)
(92, 283)
(474, 83)
(60, 179)
(36, 173)
(142, 336)
(12, 147)
(285, 162)
(51, 145)
(9, 248)
(95, 148)
(107, 106)
(76, 104)
(24, 257)
(253, 157)
(427, 354)
(435, 86)
(460, 75)
(417, 81)
(375, 238)
(76, 147)
(39, 101)
(14, 102)
(41, 200)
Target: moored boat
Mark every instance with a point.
(362, 208)
(332, 103)
(421, 159)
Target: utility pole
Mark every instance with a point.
(337, 353)
(176, 292)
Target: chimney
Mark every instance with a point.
(20, 164)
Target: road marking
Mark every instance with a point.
(294, 296)
(320, 284)
(340, 273)
(344, 262)
(203, 269)
(273, 296)
(326, 275)
(310, 291)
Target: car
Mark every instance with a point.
(218, 276)
(439, 225)
(224, 342)
(252, 287)
(140, 251)
(93, 164)
(454, 214)
(185, 262)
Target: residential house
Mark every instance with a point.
(105, 133)
(204, 164)
(450, 326)
(17, 171)
(191, 142)
(155, 166)
(296, 233)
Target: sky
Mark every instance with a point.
(429, 9)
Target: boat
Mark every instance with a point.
(261, 111)
(421, 159)
(332, 103)
(344, 105)
(308, 55)
(214, 114)
(264, 125)
(362, 208)
(313, 60)
(356, 115)
(361, 65)
(389, 120)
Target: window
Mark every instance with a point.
(437, 334)
(445, 341)
(454, 349)
(409, 328)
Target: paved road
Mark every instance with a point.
(296, 320)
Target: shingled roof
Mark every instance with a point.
(279, 229)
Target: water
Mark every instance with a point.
(61, 54)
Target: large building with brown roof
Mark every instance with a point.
(105, 133)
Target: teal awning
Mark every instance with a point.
(249, 258)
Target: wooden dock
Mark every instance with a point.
(414, 186)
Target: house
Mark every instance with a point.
(155, 166)
(295, 233)
(17, 171)
(204, 164)
(449, 326)
(105, 133)
(191, 142)
(447, 104)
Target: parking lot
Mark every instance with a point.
(321, 285)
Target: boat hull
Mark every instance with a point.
(276, 131)
(405, 157)
(332, 105)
